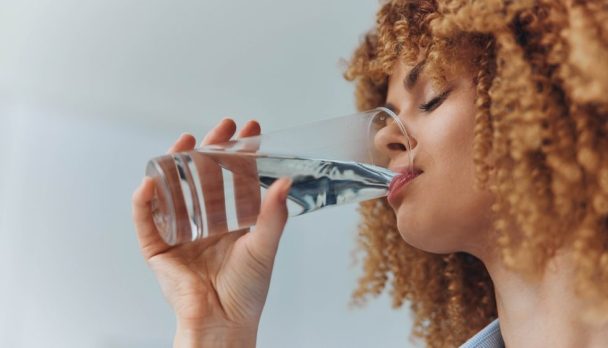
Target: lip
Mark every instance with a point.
(401, 180)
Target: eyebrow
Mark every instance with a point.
(412, 76)
(408, 82)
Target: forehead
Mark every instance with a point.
(401, 67)
(405, 75)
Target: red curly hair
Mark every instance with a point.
(540, 146)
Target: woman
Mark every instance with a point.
(506, 103)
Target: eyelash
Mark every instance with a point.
(435, 102)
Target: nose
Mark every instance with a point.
(393, 141)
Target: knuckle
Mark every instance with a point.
(135, 196)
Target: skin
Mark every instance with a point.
(217, 286)
(441, 142)
(441, 212)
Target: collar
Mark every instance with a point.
(488, 337)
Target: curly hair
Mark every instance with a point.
(540, 146)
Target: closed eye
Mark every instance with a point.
(435, 102)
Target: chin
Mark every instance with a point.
(424, 237)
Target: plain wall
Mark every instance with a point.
(89, 90)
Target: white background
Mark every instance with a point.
(89, 90)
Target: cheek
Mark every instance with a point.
(445, 213)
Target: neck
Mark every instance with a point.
(543, 312)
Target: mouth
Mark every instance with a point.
(401, 180)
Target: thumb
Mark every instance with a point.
(264, 240)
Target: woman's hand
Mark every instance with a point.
(218, 285)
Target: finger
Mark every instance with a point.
(246, 182)
(211, 180)
(221, 133)
(251, 128)
(212, 183)
(247, 195)
(149, 239)
(264, 241)
(185, 142)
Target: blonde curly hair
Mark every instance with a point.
(540, 146)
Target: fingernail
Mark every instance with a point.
(184, 134)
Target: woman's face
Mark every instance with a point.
(439, 211)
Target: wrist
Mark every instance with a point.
(215, 337)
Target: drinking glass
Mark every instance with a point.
(218, 188)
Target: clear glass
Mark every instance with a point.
(218, 188)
